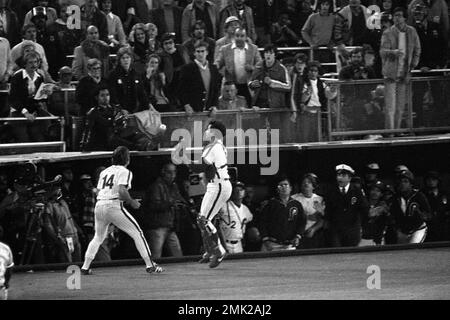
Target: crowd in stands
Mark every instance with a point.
(300, 213)
(194, 56)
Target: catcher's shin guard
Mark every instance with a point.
(209, 236)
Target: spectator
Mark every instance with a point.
(357, 68)
(63, 242)
(299, 13)
(155, 85)
(6, 71)
(48, 38)
(173, 58)
(69, 38)
(314, 209)
(439, 225)
(387, 7)
(116, 34)
(265, 13)
(281, 33)
(101, 131)
(200, 10)
(140, 43)
(92, 16)
(298, 81)
(126, 85)
(9, 23)
(346, 208)
(229, 100)
(91, 48)
(374, 227)
(243, 13)
(270, 81)
(282, 220)
(197, 35)
(410, 209)
(238, 60)
(437, 13)
(29, 32)
(24, 86)
(352, 24)
(315, 96)
(231, 24)
(57, 99)
(400, 53)
(88, 86)
(163, 203)
(433, 56)
(50, 12)
(199, 82)
(168, 18)
(371, 176)
(233, 219)
(318, 29)
(126, 11)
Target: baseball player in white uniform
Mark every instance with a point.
(234, 217)
(113, 185)
(218, 189)
(6, 263)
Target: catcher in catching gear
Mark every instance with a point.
(218, 190)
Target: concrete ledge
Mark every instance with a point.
(245, 255)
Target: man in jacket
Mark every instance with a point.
(346, 209)
(163, 200)
(200, 10)
(238, 61)
(168, 19)
(199, 82)
(400, 53)
(243, 13)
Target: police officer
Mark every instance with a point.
(346, 208)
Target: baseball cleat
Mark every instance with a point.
(86, 272)
(205, 258)
(154, 269)
(216, 260)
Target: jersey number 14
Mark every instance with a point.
(108, 182)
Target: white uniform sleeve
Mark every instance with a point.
(248, 214)
(124, 178)
(210, 154)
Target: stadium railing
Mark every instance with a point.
(359, 109)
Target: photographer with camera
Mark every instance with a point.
(162, 206)
(356, 69)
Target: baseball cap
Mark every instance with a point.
(401, 167)
(344, 167)
(39, 12)
(85, 177)
(239, 184)
(168, 36)
(373, 166)
(406, 174)
(379, 184)
(231, 19)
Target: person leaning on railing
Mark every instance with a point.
(24, 86)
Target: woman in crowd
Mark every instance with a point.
(140, 43)
(126, 85)
(155, 82)
(314, 209)
(24, 85)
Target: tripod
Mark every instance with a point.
(33, 230)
